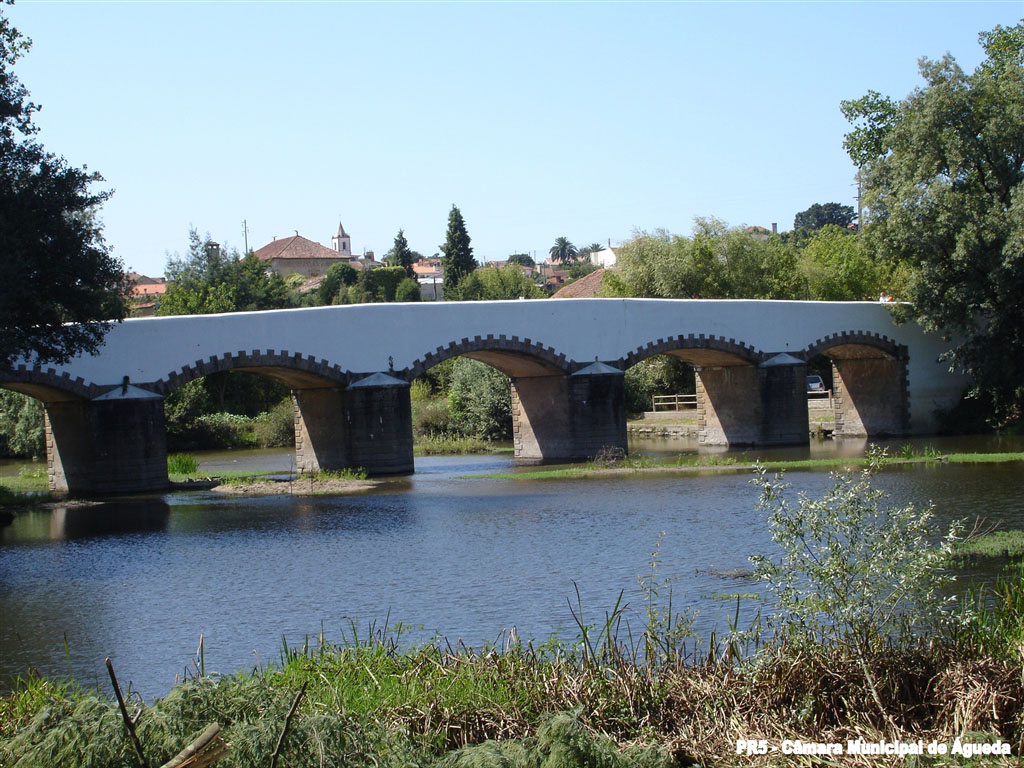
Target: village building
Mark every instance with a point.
(298, 255)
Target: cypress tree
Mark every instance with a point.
(458, 255)
(400, 254)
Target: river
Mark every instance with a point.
(442, 552)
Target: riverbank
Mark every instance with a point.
(599, 702)
(730, 463)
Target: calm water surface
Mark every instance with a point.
(140, 580)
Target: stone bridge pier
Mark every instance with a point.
(112, 444)
(746, 404)
(569, 417)
(367, 425)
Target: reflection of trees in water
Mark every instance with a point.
(109, 518)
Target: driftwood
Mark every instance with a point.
(204, 751)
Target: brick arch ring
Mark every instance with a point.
(488, 343)
(693, 341)
(860, 338)
(50, 379)
(241, 360)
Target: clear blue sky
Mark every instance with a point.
(539, 120)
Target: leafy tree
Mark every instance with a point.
(838, 268)
(59, 277)
(818, 216)
(717, 262)
(400, 255)
(563, 250)
(458, 258)
(480, 399)
(408, 290)
(943, 182)
(524, 259)
(658, 375)
(21, 425)
(209, 279)
(497, 283)
(338, 276)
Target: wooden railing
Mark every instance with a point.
(816, 399)
(673, 402)
(821, 398)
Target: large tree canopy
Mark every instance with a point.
(821, 215)
(57, 276)
(943, 178)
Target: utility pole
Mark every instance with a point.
(245, 234)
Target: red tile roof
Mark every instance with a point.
(584, 288)
(296, 247)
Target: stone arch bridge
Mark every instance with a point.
(350, 367)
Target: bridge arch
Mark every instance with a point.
(515, 357)
(869, 380)
(698, 350)
(293, 369)
(728, 383)
(46, 385)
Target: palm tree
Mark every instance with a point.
(563, 250)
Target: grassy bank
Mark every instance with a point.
(366, 704)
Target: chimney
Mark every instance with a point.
(775, 227)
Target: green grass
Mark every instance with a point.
(182, 464)
(994, 544)
(445, 445)
(31, 478)
(739, 463)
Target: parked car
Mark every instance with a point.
(815, 384)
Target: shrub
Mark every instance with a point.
(408, 290)
(276, 427)
(853, 571)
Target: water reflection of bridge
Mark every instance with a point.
(349, 370)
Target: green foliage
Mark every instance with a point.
(480, 398)
(524, 259)
(944, 188)
(717, 262)
(659, 375)
(458, 258)
(276, 428)
(338, 277)
(182, 464)
(852, 571)
(837, 267)
(563, 251)
(581, 269)
(497, 283)
(408, 290)
(400, 255)
(562, 741)
(818, 216)
(58, 275)
(22, 431)
(387, 280)
(209, 279)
